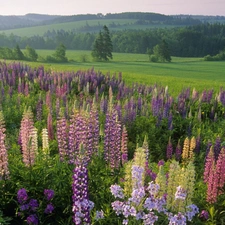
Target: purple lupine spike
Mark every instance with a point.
(81, 204)
(78, 131)
(93, 132)
(50, 127)
(124, 142)
(112, 139)
(169, 149)
(178, 151)
(170, 121)
(62, 137)
(217, 147)
(39, 109)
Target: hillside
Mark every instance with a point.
(31, 20)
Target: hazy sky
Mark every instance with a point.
(72, 7)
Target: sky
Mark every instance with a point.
(73, 7)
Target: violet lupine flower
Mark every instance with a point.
(170, 121)
(193, 210)
(117, 191)
(77, 135)
(93, 132)
(81, 204)
(161, 163)
(39, 110)
(137, 195)
(32, 219)
(62, 137)
(49, 194)
(178, 219)
(169, 150)
(180, 193)
(152, 188)
(112, 139)
(204, 215)
(149, 218)
(137, 176)
(99, 215)
(49, 209)
(33, 204)
(117, 207)
(22, 196)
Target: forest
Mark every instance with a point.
(191, 41)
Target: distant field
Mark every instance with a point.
(180, 73)
(40, 30)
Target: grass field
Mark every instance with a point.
(179, 74)
(123, 24)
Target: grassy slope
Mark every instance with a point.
(179, 74)
(40, 30)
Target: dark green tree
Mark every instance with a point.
(162, 52)
(102, 48)
(60, 53)
(18, 54)
(31, 54)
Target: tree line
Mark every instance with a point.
(192, 41)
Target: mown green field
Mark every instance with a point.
(180, 73)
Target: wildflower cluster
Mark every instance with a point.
(146, 204)
(29, 207)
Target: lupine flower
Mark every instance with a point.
(45, 142)
(49, 209)
(117, 191)
(22, 195)
(178, 219)
(4, 171)
(81, 204)
(186, 147)
(210, 160)
(28, 138)
(169, 149)
(49, 194)
(192, 211)
(99, 215)
(124, 141)
(180, 193)
(50, 127)
(204, 215)
(32, 219)
(33, 204)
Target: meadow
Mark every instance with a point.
(81, 146)
(180, 73)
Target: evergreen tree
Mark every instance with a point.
(18, 54)
(102, 48)
(31, 54)
(60, 53)
(162, 52)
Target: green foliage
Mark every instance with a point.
(218, 57)
(4, 220)
(30, 54)
(162, 52)
(102, 48)
(60, 53)
(18, 54)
